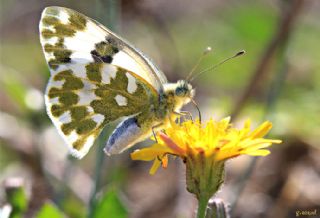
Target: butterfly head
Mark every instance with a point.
(184, 90)
(178, 94)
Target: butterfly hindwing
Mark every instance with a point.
(96, 78)
(81, 106)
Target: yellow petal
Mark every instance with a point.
(156, 164)
(262, 130)
(262, 152)
(173, 146)
(257, 143)
(247, 124)
(225, 121)
(246, 129)
(148, 154)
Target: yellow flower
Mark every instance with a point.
(216, 140)
(204, 149)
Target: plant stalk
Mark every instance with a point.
(202, 206)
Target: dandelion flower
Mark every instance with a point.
(204, 148)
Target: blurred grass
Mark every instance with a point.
(49, 210)
(110, 204)
(17, 198)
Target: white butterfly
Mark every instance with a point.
(96, 78)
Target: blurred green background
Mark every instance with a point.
(278, 79)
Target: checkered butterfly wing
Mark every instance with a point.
(96, 77)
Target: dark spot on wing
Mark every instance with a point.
(98, 58)
(105, 50)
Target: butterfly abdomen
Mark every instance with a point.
(125, 135)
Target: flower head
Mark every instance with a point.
(216, 140)
(204, 149)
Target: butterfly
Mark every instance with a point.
(96, 77)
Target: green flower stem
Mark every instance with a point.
(202, 206)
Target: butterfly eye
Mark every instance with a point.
(181, 91)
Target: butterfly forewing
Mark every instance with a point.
(95, 77)
(67, 35)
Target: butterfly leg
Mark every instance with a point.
(188, 114)
(154, 132)
(184, 113)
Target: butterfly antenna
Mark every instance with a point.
(205, 52)
(219, 64)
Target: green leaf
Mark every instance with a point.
(110, 206)
(50, 210)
